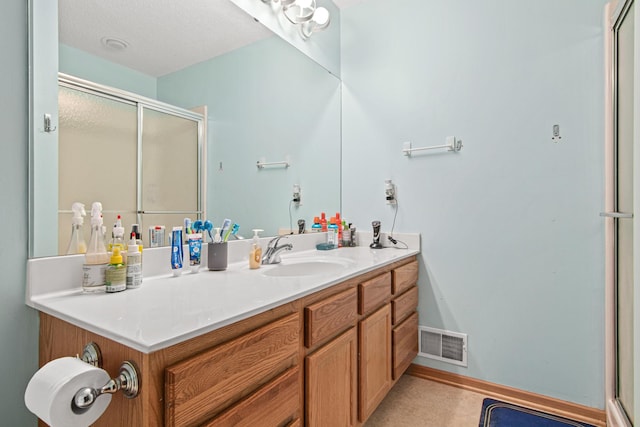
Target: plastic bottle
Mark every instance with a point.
(316, 227)
(346, 234)
(116, 276)
(340, 228)
(323, 222)
(255, 254)
(134, 264)
(96, 258)
(77, 244)
(118, 237)
(332, 236)
(135, 230)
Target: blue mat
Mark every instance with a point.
(501, 414)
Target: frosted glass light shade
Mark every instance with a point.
(299, 11)
(318, 22)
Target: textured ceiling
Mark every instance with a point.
(163, 36)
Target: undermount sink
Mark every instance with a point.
(300, 267)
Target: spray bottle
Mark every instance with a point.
(96, 258)
(77, 244)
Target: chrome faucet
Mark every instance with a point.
(272, 254)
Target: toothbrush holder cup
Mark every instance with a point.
(217, 256)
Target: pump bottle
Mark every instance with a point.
(77, 244)
(255, 255)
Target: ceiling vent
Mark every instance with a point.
(446, 346)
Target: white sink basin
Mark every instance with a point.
(301, 267)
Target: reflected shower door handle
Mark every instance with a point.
(621, 215)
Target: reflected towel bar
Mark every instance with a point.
(261, 164)
(452, 144)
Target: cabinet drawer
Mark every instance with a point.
(275, 404)
(330, 316)
(405, 344)
(404, 305)
(404, 277)
(374, 292)
(198, 388)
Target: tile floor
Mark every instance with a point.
(416, 402)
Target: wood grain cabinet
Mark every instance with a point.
(326, 359)
(201, 386)
(331, 383)
(374, 333)
(404, 336)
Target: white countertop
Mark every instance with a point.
(167, 310)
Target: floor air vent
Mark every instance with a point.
(446, 346)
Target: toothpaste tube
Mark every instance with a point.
(195, 247)
(176, 250)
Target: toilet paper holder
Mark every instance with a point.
(127, 381)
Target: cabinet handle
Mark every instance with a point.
(621, 215)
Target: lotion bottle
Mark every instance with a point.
(134, 264)
(255, 254)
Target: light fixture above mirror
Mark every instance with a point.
(303, 13)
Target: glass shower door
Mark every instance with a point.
(96, 158)
(170, 173)
(141, 158)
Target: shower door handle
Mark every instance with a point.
(620, 215)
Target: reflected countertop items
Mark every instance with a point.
(167, 310)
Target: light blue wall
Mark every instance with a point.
(18, 323)
(90, 67)
(266, 100)
(512, 244)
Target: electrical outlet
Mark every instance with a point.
(390, 192)
(297, 195)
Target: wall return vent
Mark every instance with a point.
(446, 346)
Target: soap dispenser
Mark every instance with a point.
(255, 254)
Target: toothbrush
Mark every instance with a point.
(225, 226)
(229, 232)
(208, 225)
(198, 226)
(234, 230)
(187, 226)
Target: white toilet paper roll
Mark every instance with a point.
(51, 389)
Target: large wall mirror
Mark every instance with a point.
(266, 101)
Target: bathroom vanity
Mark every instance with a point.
(257, 349)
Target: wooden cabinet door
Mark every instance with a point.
(374, 334)
(405, 344)
(331, 383)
